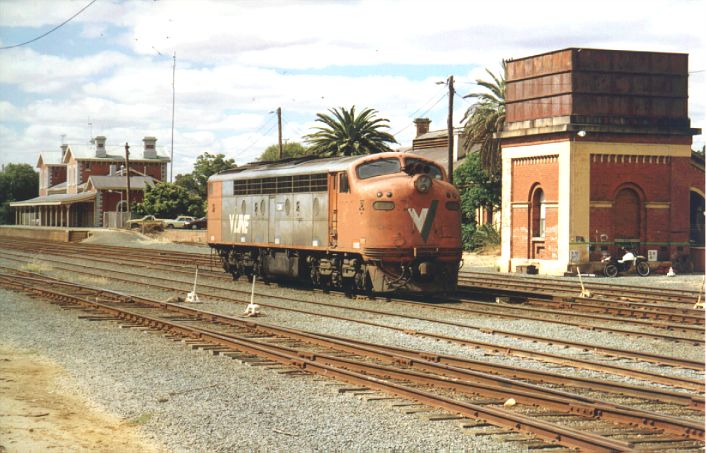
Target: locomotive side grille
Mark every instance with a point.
(269, 185)
(281, 184)
(254, 186)
(319, 183)
(301, 183)
(284, 184)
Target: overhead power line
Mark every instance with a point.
(50, 31)
(443, 96)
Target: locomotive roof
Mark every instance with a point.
(293, 167)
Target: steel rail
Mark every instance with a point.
(628, 332)
(631, 309)
(627, 290)
(186, 258)
(322, 364)
(676, 315)
(611, 352)
(665, 313)
(545, 285)
(542, 311)
(696, 403)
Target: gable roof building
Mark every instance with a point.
(79, 183)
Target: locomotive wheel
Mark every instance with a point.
(315, 276)
(643, 268)
(610, 270)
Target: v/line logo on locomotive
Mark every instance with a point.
(239, 223)
(424, 219)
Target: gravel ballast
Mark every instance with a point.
(217, 403)
(221, 405)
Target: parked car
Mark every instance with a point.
(197, 224)
(179, 222)
(137, 223)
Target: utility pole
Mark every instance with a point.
(450, 127)
(127, 173)
(171, 162)
(279, 128)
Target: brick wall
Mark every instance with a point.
(102, 168)
(527, 173)
(662, 186)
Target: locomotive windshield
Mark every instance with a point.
(413, 166)
(378, 167)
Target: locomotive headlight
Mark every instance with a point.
(422, 183)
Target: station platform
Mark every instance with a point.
(59, 234)
(77, 234)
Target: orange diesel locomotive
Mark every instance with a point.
(384, 222)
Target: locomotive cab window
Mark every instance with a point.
(343, 185)
(413, 166)
(378, 167)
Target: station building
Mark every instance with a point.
(86, 186)
(596, 155)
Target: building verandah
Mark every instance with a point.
(59, 210)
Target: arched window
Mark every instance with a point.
(538, 213)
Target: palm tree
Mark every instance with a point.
(486, 117)
(348, 134)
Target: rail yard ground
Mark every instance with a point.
(172, 396)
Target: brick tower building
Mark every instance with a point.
(596, 154)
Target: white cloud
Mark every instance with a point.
(238, 61)
(40, 73)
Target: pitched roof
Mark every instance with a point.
(49, 158)
(58, 188)
(56, 199)
(119, 182)
(113, 153)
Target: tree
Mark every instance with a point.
(289, 150)
(168, 200)
(18, 182)
(479, 188)
(486, 117)
(346, 134)
(206, 165)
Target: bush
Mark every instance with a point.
(479, 238)
(485, 237)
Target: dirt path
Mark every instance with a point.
(35, 415)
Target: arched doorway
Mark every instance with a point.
(627, 216)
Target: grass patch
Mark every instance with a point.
(37, 266)
(97, 280)
(140, 420)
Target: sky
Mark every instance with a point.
(108, 71)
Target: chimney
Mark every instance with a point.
(100, 146)
(422, 125)
(64, 148)
(150, 151)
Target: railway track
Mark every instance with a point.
(215, 293)
(561, 288)
(687, 321)
(549, 414)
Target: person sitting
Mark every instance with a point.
(628, 256)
